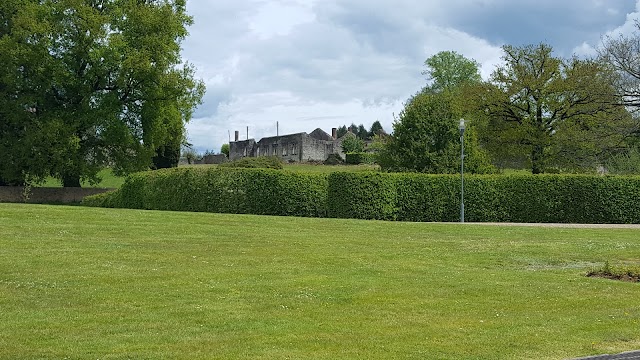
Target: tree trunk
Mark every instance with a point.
(166, 157)
(71, 181)
(537, 160)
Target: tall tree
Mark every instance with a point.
(342, 131)
(426, 138)
(376, 129)
(449, 70)
(92, 83)
(555, 112)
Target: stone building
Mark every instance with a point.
(299, 147)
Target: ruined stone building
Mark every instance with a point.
(316, 146)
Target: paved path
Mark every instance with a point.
(576, 226)
(632, 355)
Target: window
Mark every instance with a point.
(257, 151)
(293, 149)
(274, 147)
(285, 150)
(244, 153)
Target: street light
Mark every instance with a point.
(461, 127)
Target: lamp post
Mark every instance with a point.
(461, 127)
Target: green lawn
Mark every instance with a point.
(88, 283)
(109, 180)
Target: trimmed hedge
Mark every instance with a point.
(264, 162)
(234, 190)
(360, 158)
(367, 195)
(383, 196)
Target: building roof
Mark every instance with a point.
(320, 134)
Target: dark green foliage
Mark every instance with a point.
(167, 156)
(352, 144)
(86, 85)
(426, 139)
(224, 149)
(334, 159)
(376, 129)
(365, 195)
(627, 163)
(384, 196)
(360, 158)
(342, 131)
(236, 191)
(264, 162)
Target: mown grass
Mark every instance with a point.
(103, 283)
(108, 180)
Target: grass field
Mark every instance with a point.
(108, 181)
(84, 283)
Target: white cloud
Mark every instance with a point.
(327, 63)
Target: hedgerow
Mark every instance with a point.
(356, 158)
(383, 196)
(264, 162)
(234, 190)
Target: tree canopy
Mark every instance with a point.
(553, 112)
(449, 70)
(426, 138)
(86, 84)
(425, 135)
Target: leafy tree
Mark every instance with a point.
(449, 70)
(224, 149)
(352, 144)
(342, 131)
(552, 111)
(362, 132)
(376, 128)
(86, 84)
(623, 55)
(426, 138)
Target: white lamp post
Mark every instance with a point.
(461, 127)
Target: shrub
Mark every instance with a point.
(352, 144)
(265, 162)
(625, 164)
(223, 190)
(334, 159)
(364, 195)
(383, 196)
(360, 158)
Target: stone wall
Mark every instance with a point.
(286, 147)
(316, 146)
(316, 150)
(240, 149)
(41, 195)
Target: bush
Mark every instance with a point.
(334, 159)
(383, 196)
(352, 144)
(222, 190)
(625, 164)
(360, 158)
(264, 162)
(364, 195)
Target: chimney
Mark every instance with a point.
(334, 133)
(237, 135)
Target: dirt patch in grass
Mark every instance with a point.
(621, 273)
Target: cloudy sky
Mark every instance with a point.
(326, 63)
